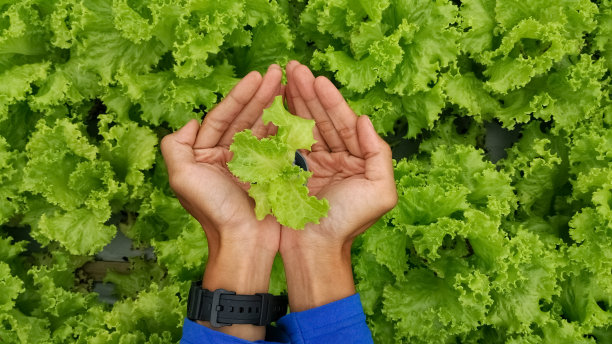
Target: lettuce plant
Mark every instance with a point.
(478, 250)
(277, 185)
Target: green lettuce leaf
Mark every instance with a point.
(19, 328)
(81, 231)
(262, 161)
(277, 186)
(426, 316)
(603, 42)
(293, 131)
(10, 288)
(140, 275)
(15, 84)
(278, 281)
(538, 168)
(63, 168)
(158, 312)
(185, 256)
(160, 217)
(10, 199)
(516, 251)
(128, 147)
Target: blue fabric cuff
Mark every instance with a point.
(341, 321)
(194, 333)
(343, 318)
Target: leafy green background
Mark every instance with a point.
(478, 250)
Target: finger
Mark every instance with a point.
(290, 92)
(298, 107)
(272, 129)
(278, 89)
(260, 129)
(376, 152)
(177, 148)
(283, 88)
(219, 119)
(305, 86)
(269, 88)
(340, 113)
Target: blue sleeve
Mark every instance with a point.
(194, 333)
(342, 321)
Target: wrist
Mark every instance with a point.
(253, 238)
(300, 243)
(245, 270)
(317, 275)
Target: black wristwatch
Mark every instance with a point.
(223, 308)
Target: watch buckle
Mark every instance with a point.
(216, 307)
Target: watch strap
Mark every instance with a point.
(223, 308)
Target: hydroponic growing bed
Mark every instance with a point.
(486, 245)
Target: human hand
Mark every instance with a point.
(241, 249)
(352, 168)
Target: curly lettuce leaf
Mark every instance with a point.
(603, 34)
(259, 161)
(160, 217)
(278, 281)
(516, 252)
(390, 56)
(537, 168)
(294, 131)
(15, 84)
(517, 42)
(184, 256)
(425, 316)
(129, 148)
(289, 200)
(10, 199)
(158, 312)
(140, 275)
(63, 168)
(444, 236)
(10, 288)
(81, 231)
(277, 186)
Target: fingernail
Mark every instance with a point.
(253, 74)
(369, 121)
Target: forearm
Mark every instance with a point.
(244, 270)
(316, 277)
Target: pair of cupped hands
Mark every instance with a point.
(351, 166)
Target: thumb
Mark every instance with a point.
(188, 133)
(377, 153)
(177, 148)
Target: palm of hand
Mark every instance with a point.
(197, 156)
(338, 177)
(226, 199)
(333, 170)
(350, 164)
(219, 200)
